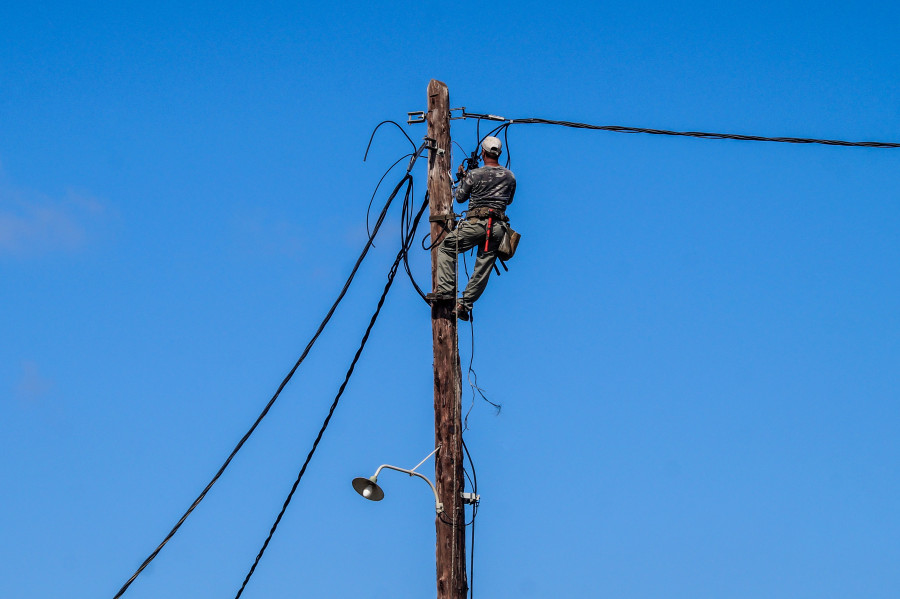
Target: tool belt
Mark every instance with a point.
(510, 240)
(482, 213)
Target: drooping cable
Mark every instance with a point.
(407, 229)
(375, 130)
(380, 181)
(391, 274)
(699, 134)
(506, 144)
(474, 482)
(281, 387)
(437, 241)
(477, 133)
(366, 155)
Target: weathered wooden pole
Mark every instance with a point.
(448, 468)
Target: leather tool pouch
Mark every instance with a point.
(508, 244)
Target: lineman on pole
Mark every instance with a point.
(489, 190)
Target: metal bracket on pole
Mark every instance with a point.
(418, 116)
(470, 498)
(431, 145)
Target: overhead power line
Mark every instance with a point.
(703, 135)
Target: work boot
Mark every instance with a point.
(440, 296)
(462, 312)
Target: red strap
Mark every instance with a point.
(490, 229)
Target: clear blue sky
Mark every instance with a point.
(696, 348)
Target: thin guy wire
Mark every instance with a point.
(472, 377)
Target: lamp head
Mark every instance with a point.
(368, 488)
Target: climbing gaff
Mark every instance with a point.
(369, 489)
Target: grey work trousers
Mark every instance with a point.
(470, 233)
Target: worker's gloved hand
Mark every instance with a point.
(460, 173)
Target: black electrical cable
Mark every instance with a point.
(472, 559)
(406, 230)
(374, 193)
(474, 515)
(506, 143)
(406, 214)
(699, 134)
(284, 382)
(477, 132)
(431, 246)
(406, 266)
(375, 130)
(450, 522)
(366, 155)
(468, 478)
(391, 274)
(496, 130)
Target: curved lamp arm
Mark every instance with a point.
(369, 489)
(438, 506)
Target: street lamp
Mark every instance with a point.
(369, 489)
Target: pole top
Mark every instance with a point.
(436, 87)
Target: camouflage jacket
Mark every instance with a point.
(487, 187)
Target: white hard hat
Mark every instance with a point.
(491, 146)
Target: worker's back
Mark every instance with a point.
(487, 187)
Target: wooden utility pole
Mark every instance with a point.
(448, 464)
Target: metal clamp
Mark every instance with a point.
(429, 143)
(431, 146)
(461, 110)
